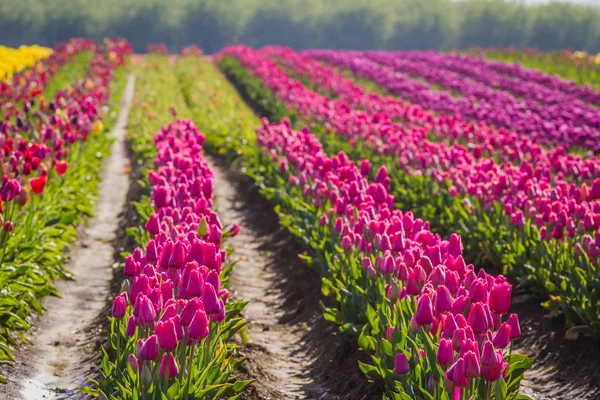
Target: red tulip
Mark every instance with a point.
(38, 184)
(61, 167)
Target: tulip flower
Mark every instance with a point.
(168, 366)
(401, 366)
(119, 307)
(167, 335)
(210, 300)
(471, 365)
(424, 314)
(499, 298)
(489, 358)
(148, 348)
(502, 337)
(445, 353)
(477, 318)
(515, 329)
(198, 328)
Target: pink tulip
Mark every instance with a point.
(119, 307)
(148, 348)
(210, 300)
(168, 366)
(477, 319)
(443, 300)
(499, 298)
(167, 335)
(445, 353)
(401, 366)
(198, 328)
(489, 358)
(471, 364)
(502, 337)
(515, 329)
(424, 314)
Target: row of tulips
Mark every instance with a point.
(50, 167)
(433, 327)
(476, 102)
(28, 84)
(501, 145)
(14, 60)
(523, 83)
(512, 216)
(428, 335)
(580, 73)
(173, 319)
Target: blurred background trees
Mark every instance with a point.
(352, 24)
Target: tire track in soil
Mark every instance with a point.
(292, 352)
(63, 350)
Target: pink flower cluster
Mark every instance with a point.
(557, 119)
(175, 289)
(505, 145)
(461, 310)
(526, 190)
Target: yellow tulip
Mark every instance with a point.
(14, 60)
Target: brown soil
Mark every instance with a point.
(293, 353)
(63, 350)
(563, 369)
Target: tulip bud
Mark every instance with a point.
(489, 358)
(119, 306)
(499, 298)
(424, 313)
(134, 363)
(401, 366)
(515, 329)
(445, 354)
(146, 377)
(168, 366)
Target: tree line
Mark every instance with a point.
(350, 24)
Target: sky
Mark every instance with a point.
(585, 2)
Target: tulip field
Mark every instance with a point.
(319, 224)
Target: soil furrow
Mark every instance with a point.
(293, 353)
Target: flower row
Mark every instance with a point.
(50, 172)
(433, 327)
(502, 145)
(14, 60)
(173, 318)
(533, 226)
(573, 128)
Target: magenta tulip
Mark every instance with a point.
(401, 365)
(499, 298)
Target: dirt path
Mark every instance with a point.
(63, 350)
(293, 353)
